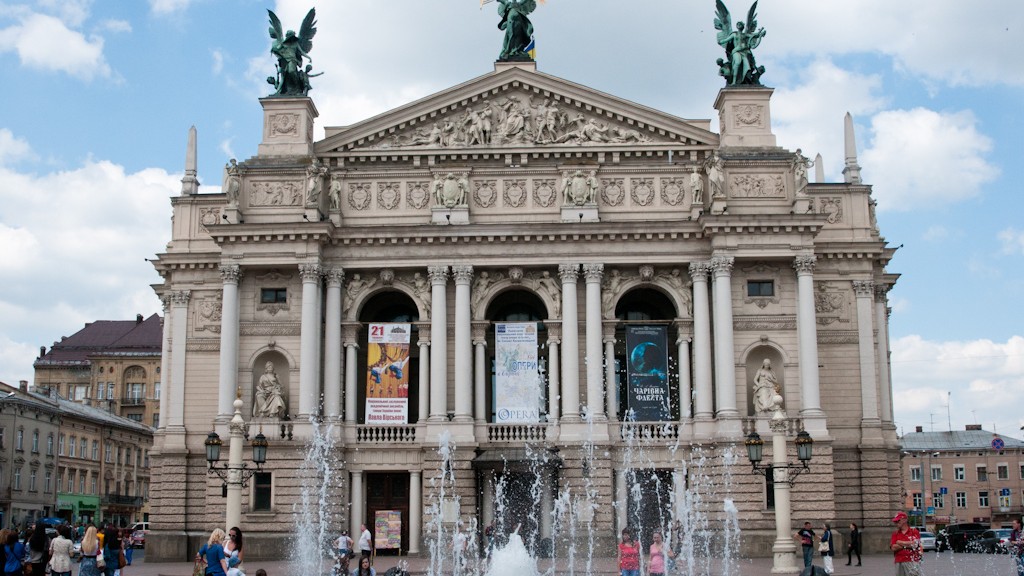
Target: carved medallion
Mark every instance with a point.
(209, 314)
(418, 195)
(642, 191)
(748, 114)
(275, 194)
(484, 193)
(830, 303)
(612, 191)
(515, 193)
(284, 124)
(544, 192)
(209, 217)
(672, 192)
(758, 186)
(359, 195)
(832, 208)
(388, 194)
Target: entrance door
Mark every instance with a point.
(388, 491)
(653, 509)
(517, 507)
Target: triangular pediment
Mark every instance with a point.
(517, 108)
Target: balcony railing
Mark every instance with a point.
(121, 500)
(404, 434)
(133, 401)
(500, 433)
(649, 431)
(793, 425)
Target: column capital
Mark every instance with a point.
(423, 330)
(593, 272)
(463, 274)
(230, 273)
(804, 264)
(335, 276)
(568, 273)
(180, 297)
(608, 330)
(882, 292)
(722, 265)
(700, 270)
(165, 299)
(310, 272)
(554, 331)
(864, 288)
(437, 274)
(350, 333)
(479, 330)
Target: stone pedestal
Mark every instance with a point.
(744, 117)
(287, 127)
(454, 216)
(585, 213)
(718, 206)
(802, 205)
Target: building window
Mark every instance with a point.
(109, 456)
(156, 420)
(49, 445)
(81, 448)
(915, 473)
(156, 390)
(938, 500)
(72, 454)
(80, 393)
(273, 295)
(17, 478)
(961, 499)
(1005, 501)
(959, 473)
(60, 480)
(19, 442)
(71, 481)
(145, 459)
(95, 479)
(81, 483)
(760, 288)
(982, 473)
(936, 473)
(983, 499)
(1003, 471)
(110, 390)
(135, 417)
(917, 500)
(1021, 466)
(47, 481)
(35, 441)
(101, 391)
(60, 445)
(261, 493)
(95, 450)
(3, 429)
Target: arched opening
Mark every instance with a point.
(388, 361)
(645, 338)
(516, 344)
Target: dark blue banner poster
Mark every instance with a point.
(647, 372)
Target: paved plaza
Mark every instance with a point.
(944, 564)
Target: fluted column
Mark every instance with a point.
(463, 344)
(570, 343)
(308, 341)
(611, 389)
(594, 358)
(725, 351)
(864, 289)
(554, 372)
(702, 342)
(350, 339)
(228, 378)
(882, 354)
(165, 361)
(683, 367)
(415, 510)
(332, 345)
(807, 334)
(357, 504)
(424, 386)
(179, 334)
(480, 371)
(439, 342)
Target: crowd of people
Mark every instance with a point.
(104, 550)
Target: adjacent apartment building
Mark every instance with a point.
(969, 475)
(29, 427)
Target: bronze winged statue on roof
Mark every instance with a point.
(739, 67)
(292, 52)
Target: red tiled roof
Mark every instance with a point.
(106, 337)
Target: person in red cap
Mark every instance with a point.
(906, 546)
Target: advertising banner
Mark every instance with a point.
(647, 373)
(387, 529)
(517, 382)
(387, 374)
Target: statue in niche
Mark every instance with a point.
(354, 287)
(716, 175)
(314, 182)
(696, 187)
(739, 66)
(334, 194)
(548, 285)
(421, 288)
(480, 286)
(452, 190)
(269, 400)
(766, 386)
(232, 182)
(612, 284)
(292, 51)
(800, 165)
(579, 189)
(518, 28)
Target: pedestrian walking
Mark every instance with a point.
(827, 549)
(853, 546)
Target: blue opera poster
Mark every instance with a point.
(647, 373)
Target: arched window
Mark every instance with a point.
(389, 370)
(645, 344)
(508, 399)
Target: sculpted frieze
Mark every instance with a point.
(642, 191)
(514, 194)
(758, 186)
(672, 191)
(389, 194)
(451, 189)
(748, 115)
(209, 217)
(544, 193)
(284, 124)
(579, 188)
(208, 314)
(417, 194)
(275, 193)
(832, 208)
(613, 191)
(359, 195)
(831, 304)
(485, 193)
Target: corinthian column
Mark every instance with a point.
(725, 363)
(179, 334)
(594, 360)
(570, 343)
(463, 344)
(807, 334)
(864, 289)
(610, 389)
(704, 409)
(165, 361)
(480, 371)
(439, 342)
(554, 380)
(423, 409)
(351, 342)
(882, 355)
(229, 275)
(332, 345)
(309, 370)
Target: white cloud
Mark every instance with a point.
(935, 233)
(984, 379)
(923, 158)
(82, 237)
(1013, 241)
(72, 12)
(116, 25)
(218, 61)
(45, 42)
(168, 6)
(12, 148)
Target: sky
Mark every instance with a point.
(98, 98)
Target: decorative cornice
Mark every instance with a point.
(202, 344)
(269, 328)
(568, 273)
(881, 293)
(838, 337)
(592, 272)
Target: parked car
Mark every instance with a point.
(139, 539)
(995, 541)
(960, 537)
(76, 550)
(140, 526)
(928, 541)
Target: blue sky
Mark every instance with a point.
(99, 96)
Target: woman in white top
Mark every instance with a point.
(60, 552)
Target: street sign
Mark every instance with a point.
(943, 490)
(1004, 492)
(931, 510)
(997, 443)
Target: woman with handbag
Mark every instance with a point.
(38, 546)
(14, 555)
(827, 549)
(213, 553)
(113, 556)
(60, 552)
(91, 554)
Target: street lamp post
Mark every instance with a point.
(235, 474)
(783, 476)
